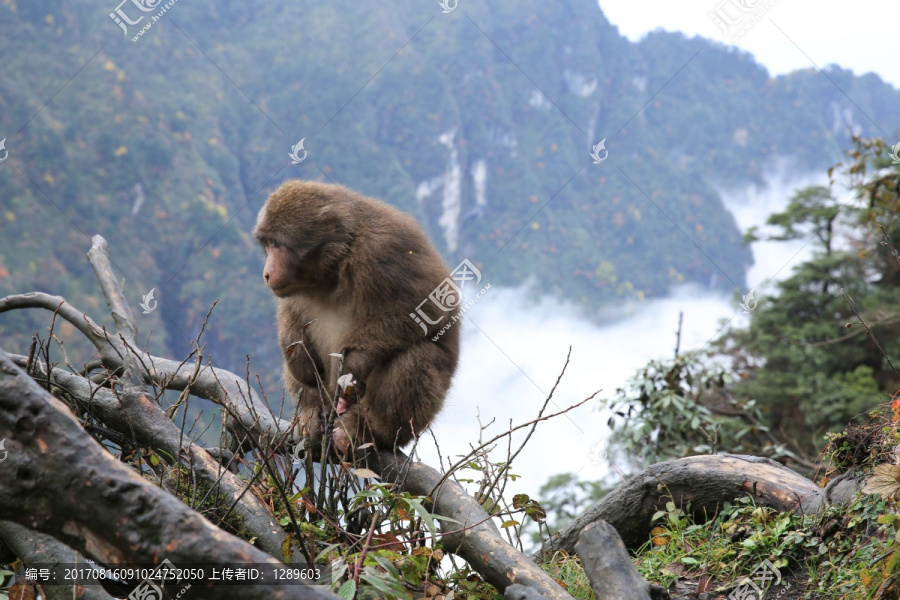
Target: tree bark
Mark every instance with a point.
(703, 482)
(475, 538)
(609, 568)
(58, 480)
(132, 412)
(38, 548)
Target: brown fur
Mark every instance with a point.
(356, 268)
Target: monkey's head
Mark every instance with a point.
(305, 229)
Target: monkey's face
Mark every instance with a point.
(282, 269)
(305, 236)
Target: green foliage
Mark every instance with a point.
(816, 354)
(396, 556)
(829, 552)
(806, 358)
(671, 409)
(569, 572)
(813, 210)
(5, 580)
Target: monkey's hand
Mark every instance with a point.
(341, 440)
(358, 364)
(351, 391)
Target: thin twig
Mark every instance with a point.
(868, 331)
(466, 458)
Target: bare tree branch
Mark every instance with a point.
(151, 428)
(705, 482)
(218, 385)
(58, 480)
(477, 539)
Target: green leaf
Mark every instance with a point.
(509, 524)
(426, 516)
(348, 590)
(387, 566)
(325, 552)
(378, 583)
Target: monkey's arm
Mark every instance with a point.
(376, 341)
(302, 363)
(312, 416)
(302, 366)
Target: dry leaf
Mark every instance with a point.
(885, 481)
(366, 473)
(675, 568)
(388, 541)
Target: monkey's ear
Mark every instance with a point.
(331, 217)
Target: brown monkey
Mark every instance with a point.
(348, 272)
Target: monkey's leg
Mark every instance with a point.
(311, 420)
(401, 398)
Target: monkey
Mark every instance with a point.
(349, 273)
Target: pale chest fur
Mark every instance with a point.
(329, 328)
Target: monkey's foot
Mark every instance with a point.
(309, 425)
(341, 440)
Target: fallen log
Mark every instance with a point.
(38, 548)
(58, 480)
(131, 411)
(609, 568)
(704, 483)
(134, 412)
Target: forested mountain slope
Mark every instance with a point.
(479, 122)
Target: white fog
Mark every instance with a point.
(514, 349)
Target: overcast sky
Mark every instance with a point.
(859, 35)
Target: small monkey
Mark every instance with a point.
(348, 271)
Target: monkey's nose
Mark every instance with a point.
(266, 276)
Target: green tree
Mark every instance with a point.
(805, 357)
